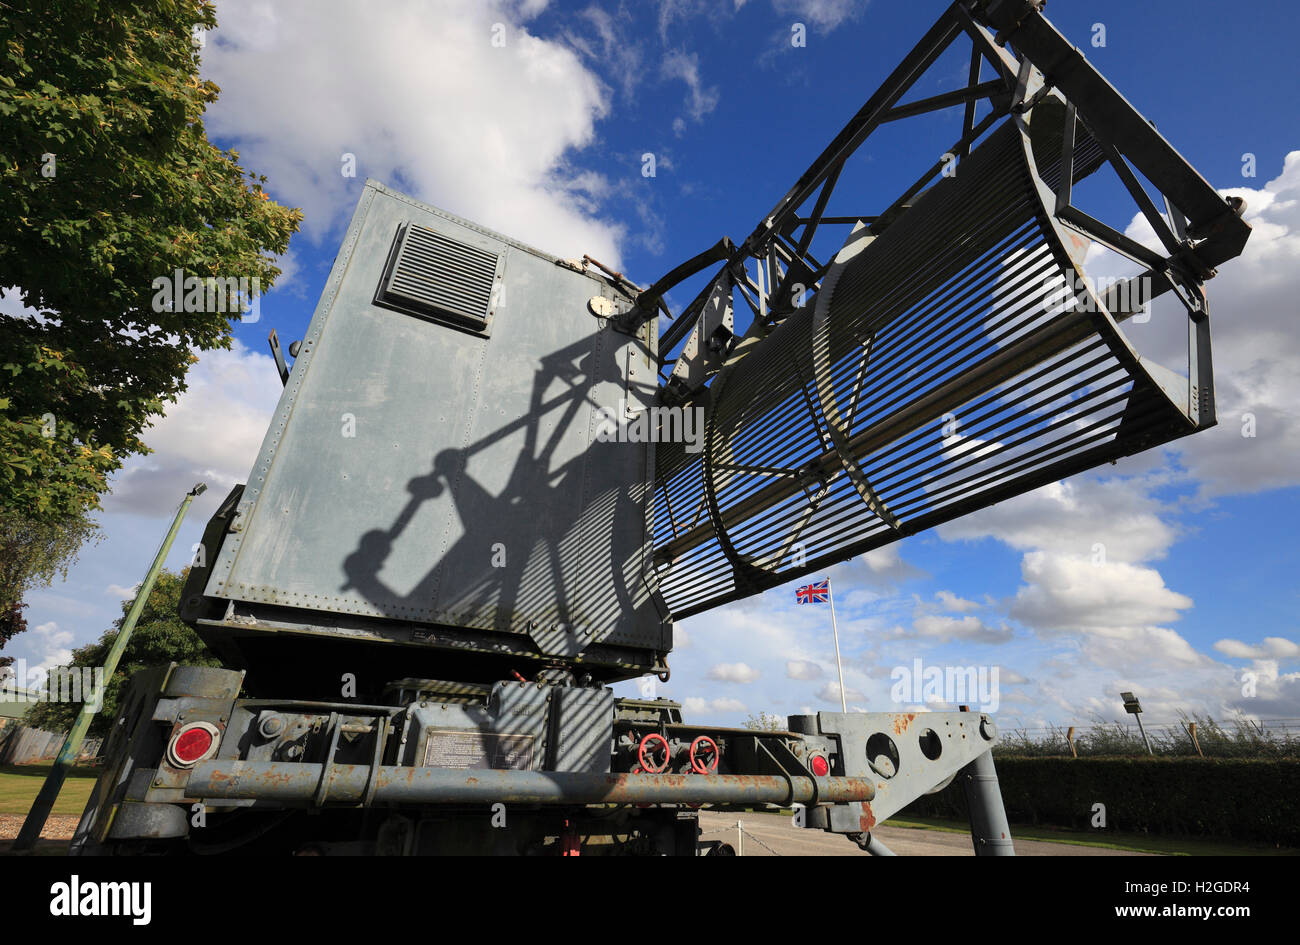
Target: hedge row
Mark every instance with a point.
(1222, 798)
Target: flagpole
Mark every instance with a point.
(830, 596)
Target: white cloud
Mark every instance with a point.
(120, 592)
(51, 644)
(1074, 594)
(1272, 648)
(694, 705)
(945, 629)
(831, 693)
(826, 15)
(951, 602)
(733, 673)
(881, 569)
(1073, 517)
(1252, 311)
(802, 669)
(1267, 693)
(700, 101)
(211, 434)
(424, 100)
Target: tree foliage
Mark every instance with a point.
(109, 182)
(766, 722)
(34, 553)
(159, 638)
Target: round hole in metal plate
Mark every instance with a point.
(882, 755)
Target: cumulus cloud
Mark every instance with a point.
(831, 693)
(802, 669)
(733, 673)
(880, 570)
(1267, 693)
(943, 628)
(694, 705)
(425, 101)
(951, 602)
(1272, 648)
(211, 434)
(52, 646)
(1074, 594)
(1252, 308)
(1110, 519)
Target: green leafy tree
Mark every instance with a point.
(109, 183)
(159, 638)
(12, 623)
(33, 553)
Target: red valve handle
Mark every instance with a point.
(646, 743)
(708, 745)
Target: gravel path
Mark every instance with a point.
(56, 828)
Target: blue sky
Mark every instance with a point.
(544, 138)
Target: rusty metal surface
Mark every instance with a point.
(291, 782)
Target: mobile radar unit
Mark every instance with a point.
(441, 559)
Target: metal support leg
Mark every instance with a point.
(989, 829)
(876, 848)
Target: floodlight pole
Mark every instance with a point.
(1133, 706)
(1138, 716)
(44, 803)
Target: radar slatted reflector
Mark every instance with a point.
(941, 368)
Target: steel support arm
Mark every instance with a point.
(287, 782)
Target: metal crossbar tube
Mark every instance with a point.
(292, 782)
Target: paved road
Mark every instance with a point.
(777, 832)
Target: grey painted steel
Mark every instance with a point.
(137, 794)
(990, 832)
(876, 847)
(298, 783)
(428, 475)
(510, 731)
(134, 820)
(582, 729)
(906, 755)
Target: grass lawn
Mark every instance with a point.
(1137, 842)
(19, 785)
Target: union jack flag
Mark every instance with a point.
(817, 593)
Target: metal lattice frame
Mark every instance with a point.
(927, 375)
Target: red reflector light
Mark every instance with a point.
(820, 766)
(192, 744)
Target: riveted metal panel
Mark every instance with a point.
(430, 475)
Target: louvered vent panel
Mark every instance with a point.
(443, 277)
